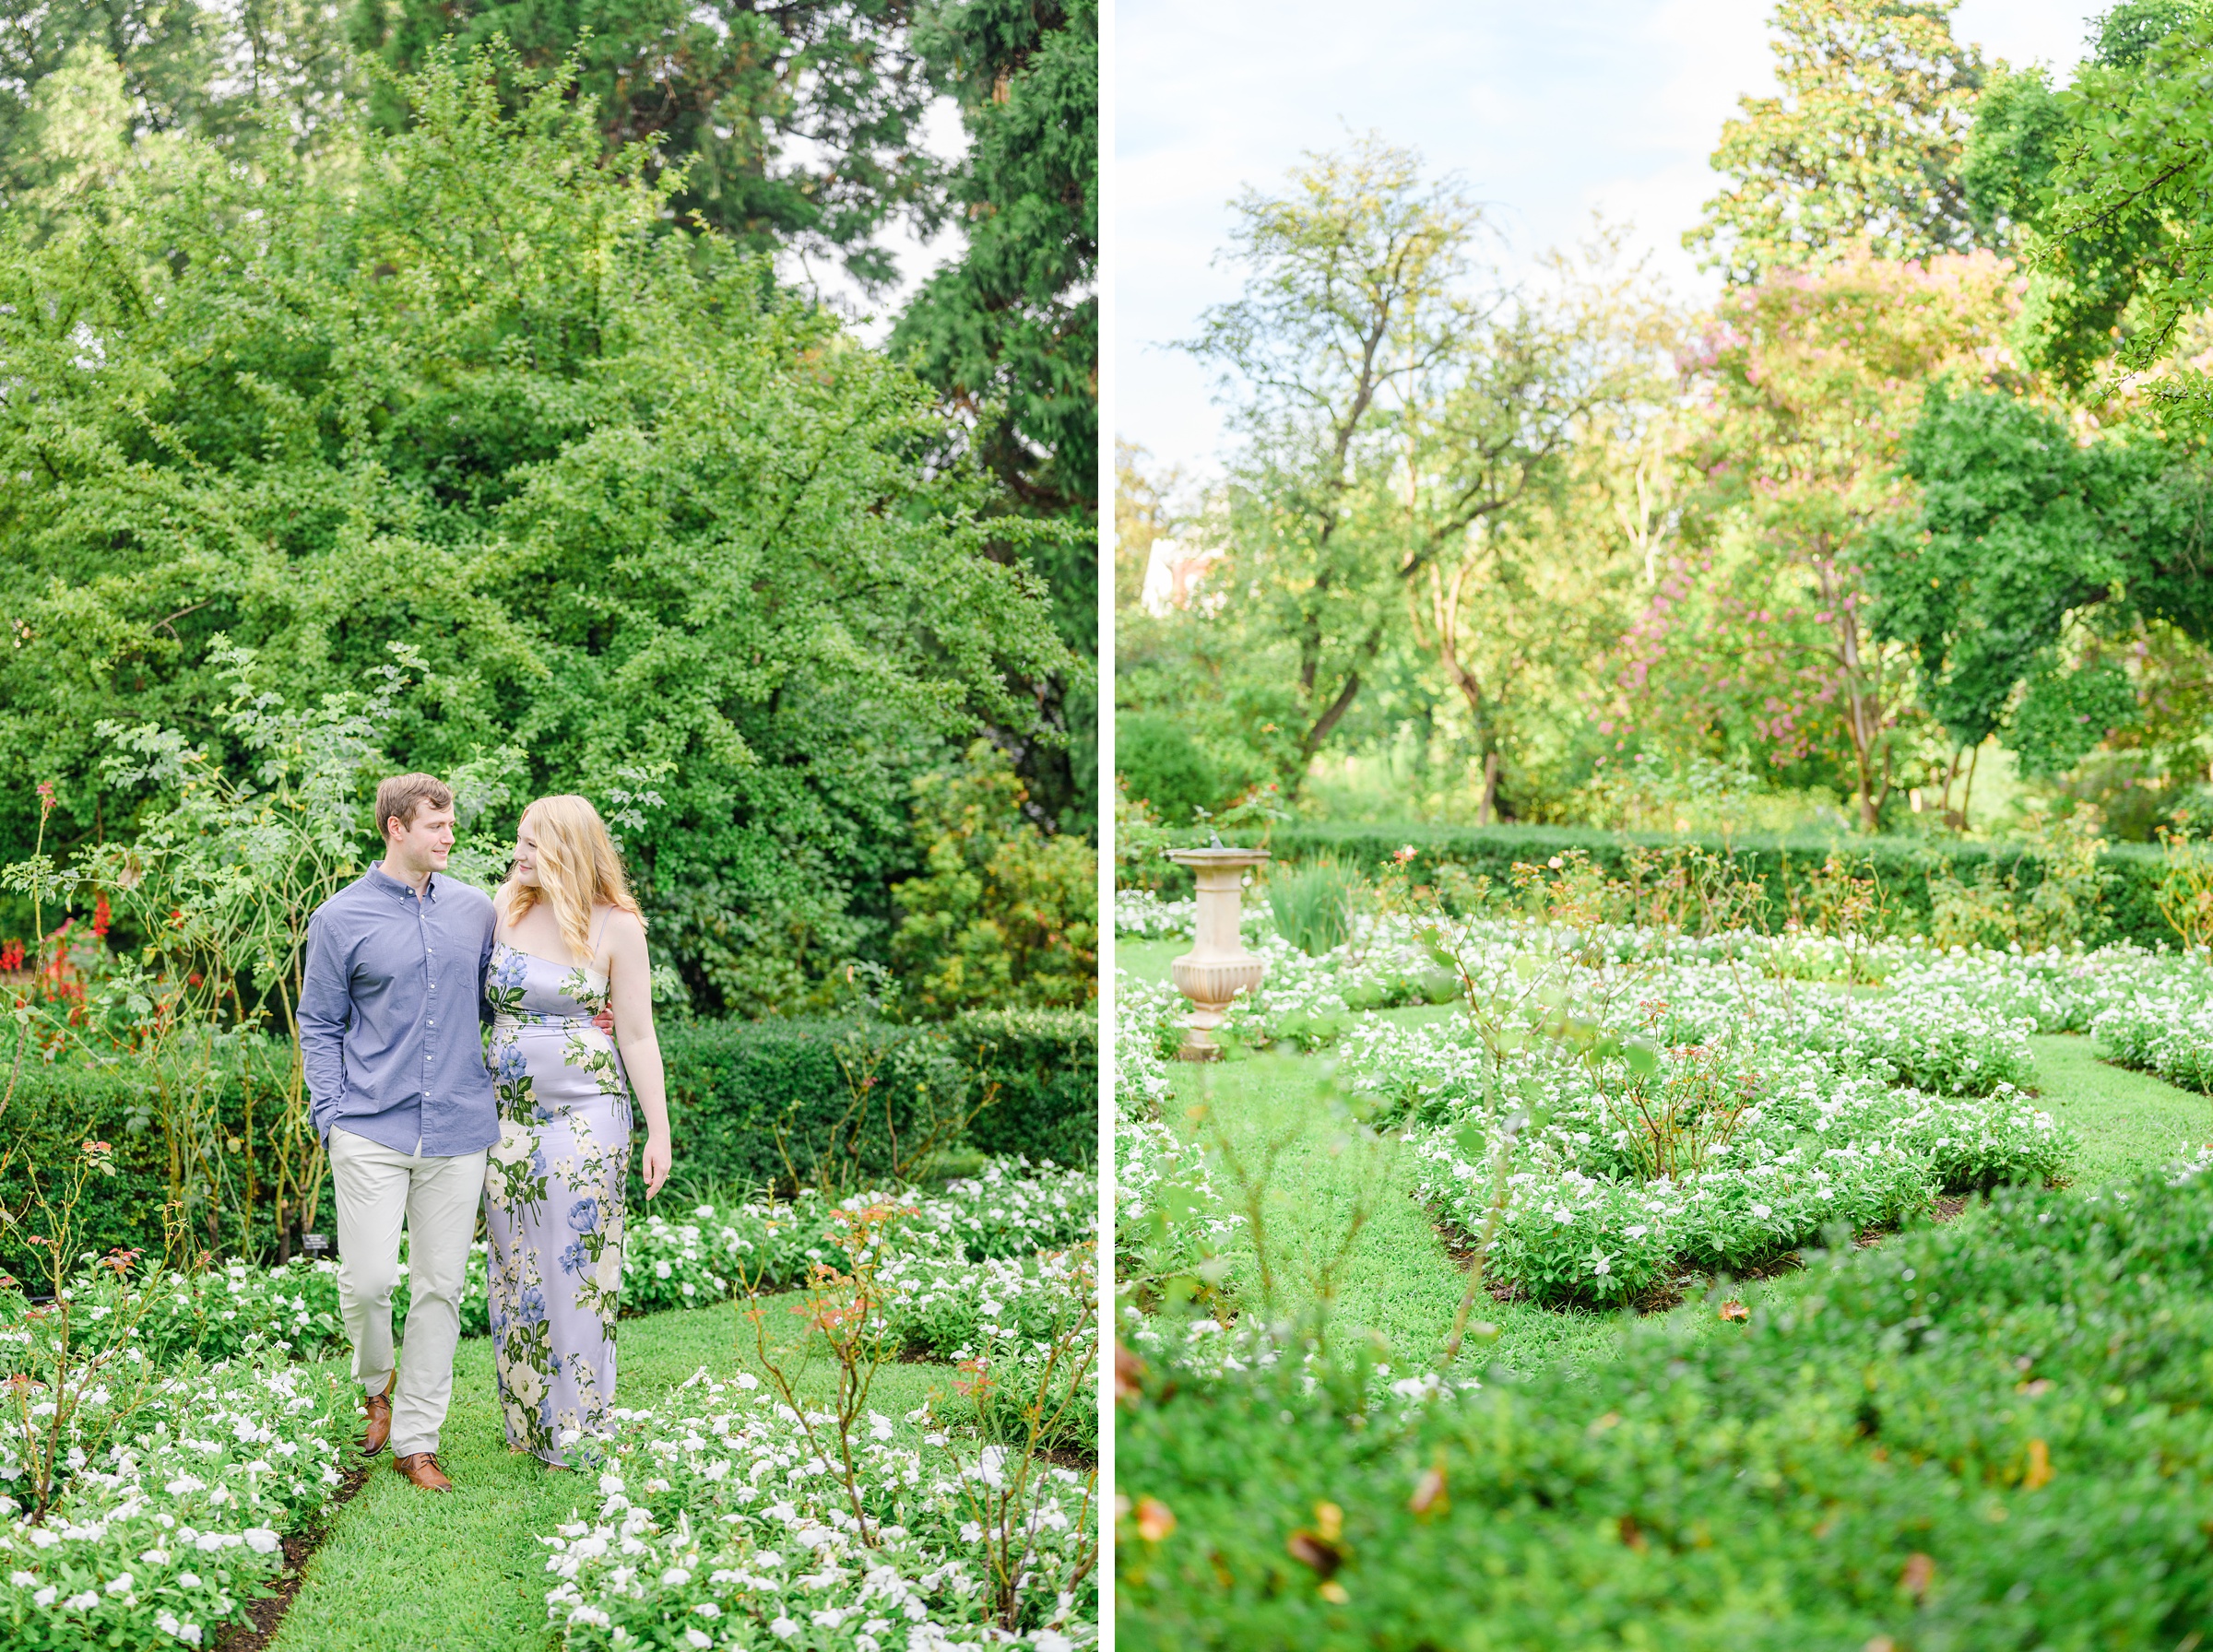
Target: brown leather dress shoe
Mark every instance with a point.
(421, 1468)
(380, 1419)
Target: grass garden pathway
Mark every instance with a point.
(401, 1569)
(1400, 1281)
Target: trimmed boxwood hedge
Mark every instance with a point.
(731, 1085)
(56, 1109)
(1903, 865)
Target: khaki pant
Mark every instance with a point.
(375, 1187)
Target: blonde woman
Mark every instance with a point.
(569, 944)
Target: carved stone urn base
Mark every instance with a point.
(1211, 984)
(1218, 967)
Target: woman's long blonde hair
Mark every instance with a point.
(577, 870)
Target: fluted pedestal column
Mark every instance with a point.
(1217, 967)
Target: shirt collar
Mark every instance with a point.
(384, 880)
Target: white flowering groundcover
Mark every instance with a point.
(725, 1520)
(168, 1514)
(1854, 1106)
(711, 1253)
(721, 1524)
(204, 1443)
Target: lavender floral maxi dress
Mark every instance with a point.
(553, 1198)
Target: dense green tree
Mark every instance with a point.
(1008, 331)
(242, 75)
(653, 525)
(1862, 146)
(797, 124)
(2030, 564)
(2124, 248)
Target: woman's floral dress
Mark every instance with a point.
(553, 1198)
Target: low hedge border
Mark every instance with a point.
(732, 1085)
(1903, 864)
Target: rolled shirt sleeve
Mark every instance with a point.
(324, 1004)
(485, 1015)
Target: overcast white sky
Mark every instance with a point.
(1548, 110)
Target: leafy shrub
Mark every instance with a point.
(734, 1086)
(1989, 1434)
(1160, 764)
(58, 1107)
(1005, 914)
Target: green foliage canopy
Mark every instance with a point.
(722, 91)
(637, 510)
(2026, 547)
(1009, 332)
(1862, 146)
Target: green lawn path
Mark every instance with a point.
(1400, 1283)
(403, 1569)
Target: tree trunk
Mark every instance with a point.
(1861, 722)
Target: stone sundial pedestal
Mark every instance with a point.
(1217, 967)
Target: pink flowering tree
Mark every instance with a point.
(1809, 383)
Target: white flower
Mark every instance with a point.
(261, 1540)
(83, 1602)
(44, 1598)
(22, 1580)
(698, 1638)
(120, 1583)
(1762, 1212)
(785, 1629)
(675, 1576)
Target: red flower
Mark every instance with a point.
(102, 918)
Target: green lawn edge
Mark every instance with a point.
(401, 1569)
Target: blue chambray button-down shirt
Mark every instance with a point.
(391, 1006)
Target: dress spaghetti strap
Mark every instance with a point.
(591, 951)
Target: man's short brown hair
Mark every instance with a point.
(404, 793)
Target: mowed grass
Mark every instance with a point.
(403, 1569)
(1397, 1286)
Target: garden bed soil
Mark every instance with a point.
(266, 1614)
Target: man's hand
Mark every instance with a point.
(604, 1022)
(654, 1168)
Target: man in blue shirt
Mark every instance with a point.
(390, 1003)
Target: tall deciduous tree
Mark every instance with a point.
(637, 509)
(2030, 565)
(1008, 331)
(1816, 380)
(1862, 148)
(1487, 426)
(2126, 248)
(797, 122)
(1357, 285)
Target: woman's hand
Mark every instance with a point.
(656, 1166)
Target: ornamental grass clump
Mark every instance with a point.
(1312, 903)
